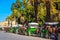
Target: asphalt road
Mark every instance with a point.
(59, 36)
(11, 36)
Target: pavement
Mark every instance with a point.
(12, 36)
(58, 36)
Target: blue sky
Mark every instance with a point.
(5, 8)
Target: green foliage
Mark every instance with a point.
(41, 12)
(23, 9)
(29, 10)
(9, 18)
(59, 6)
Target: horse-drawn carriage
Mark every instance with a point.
(52, 28)
(33, 28)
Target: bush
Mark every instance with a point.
(0, 28)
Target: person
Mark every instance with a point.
(56, 33)
(49, 31)
(52, 36)
(44, 32)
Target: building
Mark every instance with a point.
(6, 24)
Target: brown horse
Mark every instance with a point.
(21, 30)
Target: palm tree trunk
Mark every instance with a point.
(8, 23)
(35, 9)
(11, 23)
(48, 11)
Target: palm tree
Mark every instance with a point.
(48, 10)
(41, 16)
(15, 10)
(35, 9)
(9, 19)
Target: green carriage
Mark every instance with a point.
(32, 29)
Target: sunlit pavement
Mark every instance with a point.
(59, 36)
(11, 36)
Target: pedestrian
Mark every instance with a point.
(52, 36)
(56, 33)
(49, 31)
(44, 32)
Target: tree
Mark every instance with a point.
(16, 10)
(9, 19)
(41, 13)
(34, 10)
(29, 9)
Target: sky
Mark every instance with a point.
(5, 8)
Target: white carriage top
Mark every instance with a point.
(33, 23)
(51, 23)
(18, 25)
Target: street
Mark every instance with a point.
(11, 36)
(59, 36)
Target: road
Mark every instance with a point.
(11, 36)
(59, 36)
